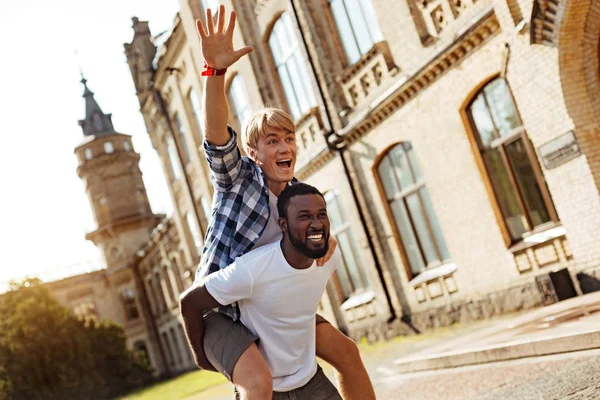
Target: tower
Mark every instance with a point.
(109, 167)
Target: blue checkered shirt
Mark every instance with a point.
(240, 210)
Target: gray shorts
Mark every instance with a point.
(318, 388)
(225, 340)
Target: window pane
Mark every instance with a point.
(417, 215)
(502, 107)
(275, 47)
(388, 181)
(289, 92)
(333, 210)
(528, 183)
(483, 121)
(435, 225)
(361, 32)
(347, 288)
(345, 31)
(371, 20)
(350, 258)
(195, 231)
(505, 193)
(172, 155)
(401, 167)
(181, 133)
(407, 235)
(239, 97)
(197, 110)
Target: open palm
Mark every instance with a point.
(217, 44)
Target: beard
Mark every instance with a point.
(303, 248)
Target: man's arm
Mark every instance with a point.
(192, 304)
(223, 287)
(218, 52)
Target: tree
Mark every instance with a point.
(46, 352)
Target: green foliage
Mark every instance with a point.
(48, 353)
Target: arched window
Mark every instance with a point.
(510, 161)
(291, 67)
(181, 139)
(357, 26)
(409, 204)
(88, 154)
(350, 274)
(109, 147)
(238, 99)
(126, 145)
(196, 110)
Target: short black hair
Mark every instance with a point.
(296, 189)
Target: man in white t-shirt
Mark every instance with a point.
(278, 288)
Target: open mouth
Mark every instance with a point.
(315, 237)
(287, 163)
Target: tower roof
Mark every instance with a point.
(96, 122)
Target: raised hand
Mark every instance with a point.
(217, 44)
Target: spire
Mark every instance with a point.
(96, 123)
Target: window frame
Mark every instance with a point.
(345, 227)
(299, 51)
(235, 112)
(353, 29)
(400, 196)
(500, 142)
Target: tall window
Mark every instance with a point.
(195, 231)
(162, 306)
(129, 304)
(238, 98)
(357, 26)
(109, 147)
(410, 205)
(196, 110)
(510, 161)
(176, 345)
(350, 274)
(172, 159)
(181, 137)
(291, 67)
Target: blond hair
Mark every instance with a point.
(258, 124)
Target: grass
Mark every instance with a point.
(180, 387)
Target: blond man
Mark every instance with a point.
(244, 218)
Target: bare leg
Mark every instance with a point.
(252, 377)
(342, 353)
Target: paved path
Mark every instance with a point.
(572, 376)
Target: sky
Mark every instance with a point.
(45, 211)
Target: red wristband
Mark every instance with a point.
(210, 71)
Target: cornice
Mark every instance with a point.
(481, 31)
(546, 16)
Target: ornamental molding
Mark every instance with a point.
(546, 17)
(484, 28)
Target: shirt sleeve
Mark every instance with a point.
(225, 162)
(230, 284)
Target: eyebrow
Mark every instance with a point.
(275, 134)
(305, 210)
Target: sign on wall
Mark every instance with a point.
(560, 150)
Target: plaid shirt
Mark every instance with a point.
(240, 210)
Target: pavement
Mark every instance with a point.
(551, 352)
(567, 326)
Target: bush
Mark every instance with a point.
(48, 353)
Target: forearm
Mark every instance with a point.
(214, 105)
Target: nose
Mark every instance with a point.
(285, 147)
(316, 223)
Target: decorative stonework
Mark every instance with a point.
(372, 71)
(312, 150)
(545, 21)
(545, 250)
(483, 29)
(440, 13)
(435, 282)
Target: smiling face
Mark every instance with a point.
(307, 225)
(275, 153)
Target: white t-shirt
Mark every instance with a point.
(278, 303)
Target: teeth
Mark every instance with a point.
(316, 237)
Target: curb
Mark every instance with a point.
(501, 352)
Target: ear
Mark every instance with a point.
(252, 154)
(283, 225)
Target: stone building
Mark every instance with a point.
(456, 142)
